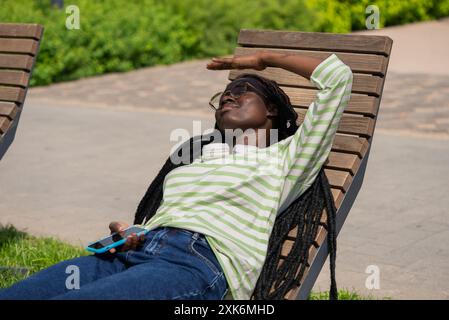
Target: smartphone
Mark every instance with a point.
(114, 240)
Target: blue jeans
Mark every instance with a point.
(171, 264)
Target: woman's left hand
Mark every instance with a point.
(252, 61)
(132, 241)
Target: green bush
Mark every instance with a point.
(121, 35)
(397, 12)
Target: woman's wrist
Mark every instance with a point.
(270, 58)
(299, 64)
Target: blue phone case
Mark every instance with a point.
(112, 245)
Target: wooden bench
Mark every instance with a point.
(345, 167)
(19, 46)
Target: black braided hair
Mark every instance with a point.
(305, 213)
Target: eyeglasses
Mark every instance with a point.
(236, 92)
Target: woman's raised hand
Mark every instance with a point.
(252, 61)
(132, 241)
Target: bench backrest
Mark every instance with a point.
(368, 58)
(19, 45)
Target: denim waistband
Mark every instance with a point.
(195, 234)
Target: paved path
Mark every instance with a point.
(418, 47)
(86, 150)
(412, 104)
(415, 100)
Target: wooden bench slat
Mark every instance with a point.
(338, 179)
(28, 46)
(21, 30)
(359, 63)
(362, 83)
(338, 196)
(19, 44)
(350, 144)
(358, 103)
(5, 122)
(14, 94)
(13, 77)
(362, 126)
(319, 41)
(343, 161)
(8, 109)
(16, 61)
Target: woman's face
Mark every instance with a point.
(247, 112)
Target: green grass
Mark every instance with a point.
(23, 254)
(344, 294)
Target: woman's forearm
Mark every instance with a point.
(301, 65)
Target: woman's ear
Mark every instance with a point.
(272, 111)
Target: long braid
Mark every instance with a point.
(305, 213)
(153, 196)
(332, 233)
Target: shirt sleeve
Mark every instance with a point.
(305, 152)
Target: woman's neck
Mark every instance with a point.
(254, 137)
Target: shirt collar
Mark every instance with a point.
(219, 149)
(244, 148)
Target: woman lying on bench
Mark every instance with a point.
(218, 222)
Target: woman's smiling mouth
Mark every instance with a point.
(228, 106)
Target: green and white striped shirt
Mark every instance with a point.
(234, 197)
